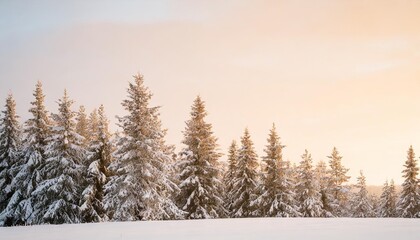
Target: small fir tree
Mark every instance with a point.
(361, 206)
(230, 176)
(340, 192)
(388, 201)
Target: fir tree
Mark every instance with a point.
(245, 181)
(58, 195)
(276, 196)
(82, 125)
(93, 125)
(10, 161)
(409, 202)
(338, 179)
(388, 201)
(100, 157)
(324, 180)
(362, 207)
(308, 189)
(201, 189)
(36, 132)
(230, 175)
(140, 188)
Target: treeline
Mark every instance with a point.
(67, 167)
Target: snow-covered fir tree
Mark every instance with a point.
(140, 188)
(276, 196)
(323, 178)
(245, 182)
(36, 131)
(409, 202)
(361, 206)
(10, 161)
(309, 195)
(82, 125)
(201, 188)
(338, 177)
(230, 176)
(388, 201)
(57, 197)
(100, 156)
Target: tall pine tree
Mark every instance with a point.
(10, 161)
(201, 189)
(82, 125)
(100, 149)
(140, 188)
(276, 191)
(245, 182)
(308, 189)
(58, 195)
(409, 202)
(36, 132)
(340, 192)
(229, 176)
(323, 178)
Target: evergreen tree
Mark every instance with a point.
(361, 205)
(140, 188)
(388, 201)
(57, 197)
(10, 161)
(323, 178)
(93, 126)
(338, 177)
(82, 125)
(276, 196)
(230, 176)
(36, 132)
(200, 184)
(409, 203)
(245, 181)
(100, 157)
(308, 189)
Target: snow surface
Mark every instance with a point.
(262, 228)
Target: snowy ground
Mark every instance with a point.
(269, 228)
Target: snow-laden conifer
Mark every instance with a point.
(57, 197)
(388, 201)
(361, 206)
(309, 195)
(140, 188)
(338, 177)
(245, 182)
(409, 202)
(10, 161)
(100, 156)
(201, 188)
(36, 131)
(229, 176)
(323, 178)
(276, 191)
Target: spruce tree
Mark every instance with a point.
(361, 206)
(36, 131)
(338, 177)
(10, 161)
(100, 149)
(323, 178)
(308, 189)
(201, 189)
(230, 176)
(140, 188)
(409, 202)
(82, 125)
(245, 182)
(276, 196)
(388, 201)
(57, 197)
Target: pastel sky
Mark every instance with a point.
(327, 73)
